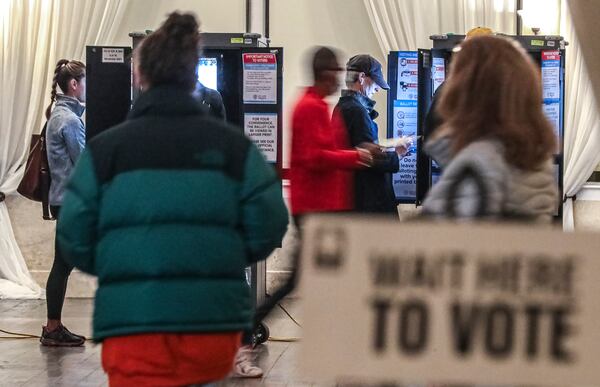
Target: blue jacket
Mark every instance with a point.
(65, 139)
(373, 190)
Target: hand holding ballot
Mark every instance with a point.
(404, 141)
(402, 145)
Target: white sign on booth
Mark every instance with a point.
(261, 128)
(113, 55)
(449, 303)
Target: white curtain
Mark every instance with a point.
(582, 121)
(34, 34)
(407, 24)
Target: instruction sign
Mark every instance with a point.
(261, 128)
(113, 55)
(552, 93)
(260, 78)
(449, 303)
(405, 122)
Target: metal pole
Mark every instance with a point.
(267, 11)
(519, 24)
(248, 15)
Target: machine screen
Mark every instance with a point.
(207, 72)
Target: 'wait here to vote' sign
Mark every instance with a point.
(450, 303)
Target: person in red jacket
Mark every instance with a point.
(322, 159)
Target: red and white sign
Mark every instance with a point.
(259, 58)
(551, 55)
(260, 78)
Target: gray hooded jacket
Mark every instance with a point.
(65, 139)
(511, 192)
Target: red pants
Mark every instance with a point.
(168, 359)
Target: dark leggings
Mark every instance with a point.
(57, 280)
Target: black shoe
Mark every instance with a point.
(60, 337)
(74, 334)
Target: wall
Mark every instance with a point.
(228, 16)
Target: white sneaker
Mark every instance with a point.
(245, 364)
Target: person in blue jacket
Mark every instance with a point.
(373, 191)
(65, 140)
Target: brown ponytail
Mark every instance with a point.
(64, 71)
(170, 54)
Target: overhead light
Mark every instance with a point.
(540, 15)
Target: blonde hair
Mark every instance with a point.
(494, 91)
(479, 31)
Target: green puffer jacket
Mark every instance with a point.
(167, 209)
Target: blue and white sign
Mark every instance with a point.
(405, 122)
(551, 75)
(552, 89)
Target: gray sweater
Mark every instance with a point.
(511, 191)
(65, 139)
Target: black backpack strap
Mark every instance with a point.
(45, 178)
(468, 173)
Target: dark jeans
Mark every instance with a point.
(57, 280)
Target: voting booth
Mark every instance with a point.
(415, 76)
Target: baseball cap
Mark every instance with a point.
(370, 66)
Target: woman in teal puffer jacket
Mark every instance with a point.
(167, 210)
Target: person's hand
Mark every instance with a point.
(402, 150)
(375, 149)
(365, 157)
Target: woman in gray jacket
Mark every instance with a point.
(496, 145)
(65, 139)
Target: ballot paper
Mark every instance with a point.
(405, 141)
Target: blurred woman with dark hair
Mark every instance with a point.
(167, 210)
(496, 145)
(65, 139)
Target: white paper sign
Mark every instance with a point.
(261, 128)
(552, 112)
(449, 303)
(438, 73)
(260, 78)
(113, 55)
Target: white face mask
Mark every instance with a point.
(369, 87)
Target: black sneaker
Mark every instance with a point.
(74, 334)
(60, 337)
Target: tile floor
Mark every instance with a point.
(24, 362)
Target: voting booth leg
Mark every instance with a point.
(258, 284)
